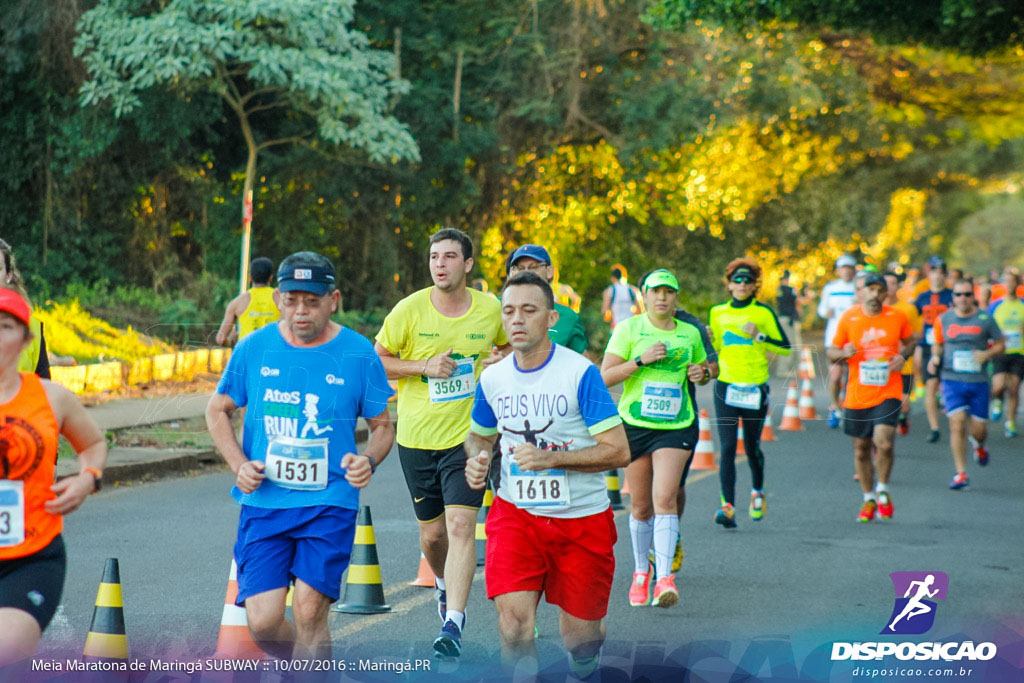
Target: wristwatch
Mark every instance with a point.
(97, 478)
(639, 363)
(707, 374)
(761, 337)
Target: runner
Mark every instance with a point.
(621, 299)
(875, 341)
(965, 339)
(305, 381)
(836, 298)
(661, 425)
(34, 412)
(253, 309)
(892, 282)
(931, 303)
(433, 343)
(743, 331)
(788, 302)
(550, 529)
(34, 358)
(1009, 367)
(568, 329)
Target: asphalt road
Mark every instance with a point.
(790, 585)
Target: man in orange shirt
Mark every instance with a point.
(875, 341)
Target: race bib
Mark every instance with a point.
(874, 373)
(299, 464)
(963, 361)
(743, 396)
(461, 384)
(12, 513)
(929, 336)
(661, 400)
(546, 488)
(1013, 340)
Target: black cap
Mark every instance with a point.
(306, 271)
(875, 279)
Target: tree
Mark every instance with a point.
(298, 57)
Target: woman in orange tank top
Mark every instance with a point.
(33, 413)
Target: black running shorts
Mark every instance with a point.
(34, 584)
(436, 480)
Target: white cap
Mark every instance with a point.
(846, 260)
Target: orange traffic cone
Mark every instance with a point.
(768, 433)
(741, 448)
(235, 641)
(791, 413)
(704, 453)
(425, 575)
(806, 364)
(806, 404)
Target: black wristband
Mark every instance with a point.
(639, 363)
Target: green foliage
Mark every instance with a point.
(366, 323)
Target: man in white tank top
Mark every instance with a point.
(621, 299)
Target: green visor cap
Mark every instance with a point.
(661, 278)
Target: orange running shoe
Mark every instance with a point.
(665, 593)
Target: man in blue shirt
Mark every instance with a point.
(305, 381)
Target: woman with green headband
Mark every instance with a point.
(743, 331)
(654, 355)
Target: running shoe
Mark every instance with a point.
(665, 593)
(833, 418)
(581, 668)
(1009, 429)
(867, 511)
(904, 424)
(933, 436)
(449, 642)
(959, 481)
(997, 409)
(918, 392)
(639, 590)
(441, 596)
(757, 506)
(981, 455)
(725, 516)
(884, 505)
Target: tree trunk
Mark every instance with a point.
(458, 95)
(250, 180)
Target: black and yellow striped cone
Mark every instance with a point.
(611, 481)
(364, 591)
(481, 529)
(107, 639)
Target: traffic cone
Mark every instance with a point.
(791, 413)
(235, 641)
(364, 591)
(106, 638)
(704, 453)
(611, 482)
(481, 528)
(741, 447)
(768, 433)
(806, 404)
(624, 490)
(806, 364)
(424, 575)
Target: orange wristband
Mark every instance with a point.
(93, 471)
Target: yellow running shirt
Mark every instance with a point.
(916, 325)
(260, 311)
(434, 414)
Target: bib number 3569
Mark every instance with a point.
(461, 383)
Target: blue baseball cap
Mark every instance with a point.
(534, 251)
(937, 262)
(306, 272)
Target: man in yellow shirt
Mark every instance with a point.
(892, 281)
(253, 308)
(434, 343)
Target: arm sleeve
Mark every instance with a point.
(776, 337)
(43, 364)
(841, 336)
(376, 390)
(392, 333)
(578, 337)
(994, 332)
(483, 421)
(823, 303)
(596, 404)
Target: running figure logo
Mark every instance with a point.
(914, 612)
(311, 411)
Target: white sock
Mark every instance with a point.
(640, 533)
(456, 616)
(666, 531)
(881, 488)
(439, 583)
(870, 495)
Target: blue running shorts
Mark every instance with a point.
(969, 396)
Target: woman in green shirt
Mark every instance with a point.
(653, 355)
(743, 331)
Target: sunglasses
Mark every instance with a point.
(743, 279)
(963, 293)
